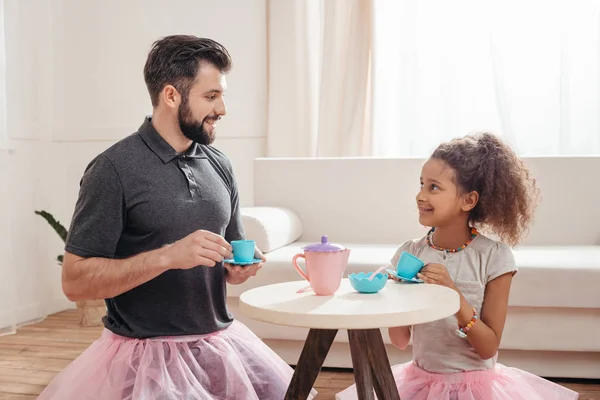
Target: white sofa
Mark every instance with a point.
(553, 324)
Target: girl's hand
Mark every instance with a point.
(436, 274)
(258, 254)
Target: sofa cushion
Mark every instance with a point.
(548, 276)
(557, 276)
(271, 227)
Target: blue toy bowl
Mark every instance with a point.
(361, 283)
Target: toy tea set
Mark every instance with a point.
(326, 263)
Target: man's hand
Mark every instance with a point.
(237, 274)
(436, 274)
(198, 248)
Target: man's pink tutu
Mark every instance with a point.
(500, 383)
(226, 365)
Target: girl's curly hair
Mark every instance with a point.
(508, 193)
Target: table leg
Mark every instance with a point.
(360, 363)
(384, 383)
(311, 360)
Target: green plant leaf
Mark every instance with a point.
(58, 227)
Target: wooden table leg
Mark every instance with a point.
(383, 379)
(361, 365)
(311, 360)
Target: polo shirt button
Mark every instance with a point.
(190, 176)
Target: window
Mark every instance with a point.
(526, 70)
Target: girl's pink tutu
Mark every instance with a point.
(500, 383)
(226, 365)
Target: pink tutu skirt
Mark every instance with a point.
(500, 383)
(233, 364)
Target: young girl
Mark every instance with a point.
(472, 183)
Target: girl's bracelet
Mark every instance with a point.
(462, 330)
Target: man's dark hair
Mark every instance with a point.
(175, 60)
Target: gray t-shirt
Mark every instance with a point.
(140, 195)
(436, 346)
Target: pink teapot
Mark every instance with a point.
(325, 266)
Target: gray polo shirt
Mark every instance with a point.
(140, 195)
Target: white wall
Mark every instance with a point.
(75, 86)
(28, 93)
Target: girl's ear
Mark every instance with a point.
(469, 201)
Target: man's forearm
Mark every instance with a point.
(102, 278)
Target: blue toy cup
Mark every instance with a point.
(408, 265)
(243, 250)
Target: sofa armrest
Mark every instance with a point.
(271, 227)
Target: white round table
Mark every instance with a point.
(397, 304)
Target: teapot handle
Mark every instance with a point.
(295, 263)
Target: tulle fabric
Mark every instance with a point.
(233, 364)
(499, 383)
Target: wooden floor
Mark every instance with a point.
(32, 357)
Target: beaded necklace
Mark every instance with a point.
(474, 234)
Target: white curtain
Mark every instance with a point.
(319, 78)
(7, 277)
(525, 69)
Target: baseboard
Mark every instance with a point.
(7, 321)
(33, 312)
(29, 314)
(554, 364)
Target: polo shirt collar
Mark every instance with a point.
(161, 148)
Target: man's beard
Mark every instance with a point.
(192, 129)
